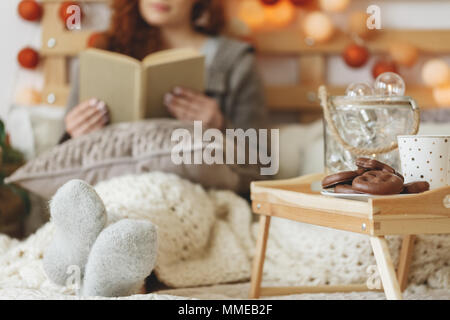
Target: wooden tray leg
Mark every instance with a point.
(405, 259)
(258, 261)
(386, 268)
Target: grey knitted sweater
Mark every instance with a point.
(232, 79)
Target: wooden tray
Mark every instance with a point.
(425, 213)
(297, 200)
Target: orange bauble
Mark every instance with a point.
(301, 3)
(383, 66)
(63, 10)
(334, 5)
(97, 40)
(28, 58)
(252, 13)
(30, 10)
(356, 56)
(280, 14)
(441, 95)
(435, 73)
(318, 26)
(404, 54)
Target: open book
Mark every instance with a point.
(134, 90)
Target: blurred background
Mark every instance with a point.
(300, 44)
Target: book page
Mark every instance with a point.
(165, 56)
(114, 78)
(168, 71)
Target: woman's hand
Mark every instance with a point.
(87, 117)
(185, 104)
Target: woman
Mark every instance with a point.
(115, 260)
(233, 97)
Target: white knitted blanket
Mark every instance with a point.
(208, 238)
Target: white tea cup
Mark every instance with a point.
(425, 158)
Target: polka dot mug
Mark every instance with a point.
(425, 158)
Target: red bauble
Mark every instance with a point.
(28, 58)
(356, 56)
(98, 40)
(269, 2)
(63, 10)
(30, 10)
(383, 66)
(301, 3)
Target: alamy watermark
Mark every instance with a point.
(373, 281)
(73, 17)
(374, 20)
(73, 280)
(236, 146)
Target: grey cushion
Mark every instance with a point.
(125, 148)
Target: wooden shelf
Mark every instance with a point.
(291, 41)
(58, 44)
(304, 97)
(301, 97)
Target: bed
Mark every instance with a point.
(203, 275)
(218, 266)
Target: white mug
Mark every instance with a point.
(425, 158)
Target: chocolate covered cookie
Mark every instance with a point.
(372, 164)
(339, 178)
(400, 175)
(361, 171)
(416, 187)
(346, 189)
(378, 182)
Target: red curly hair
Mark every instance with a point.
(130, 34)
